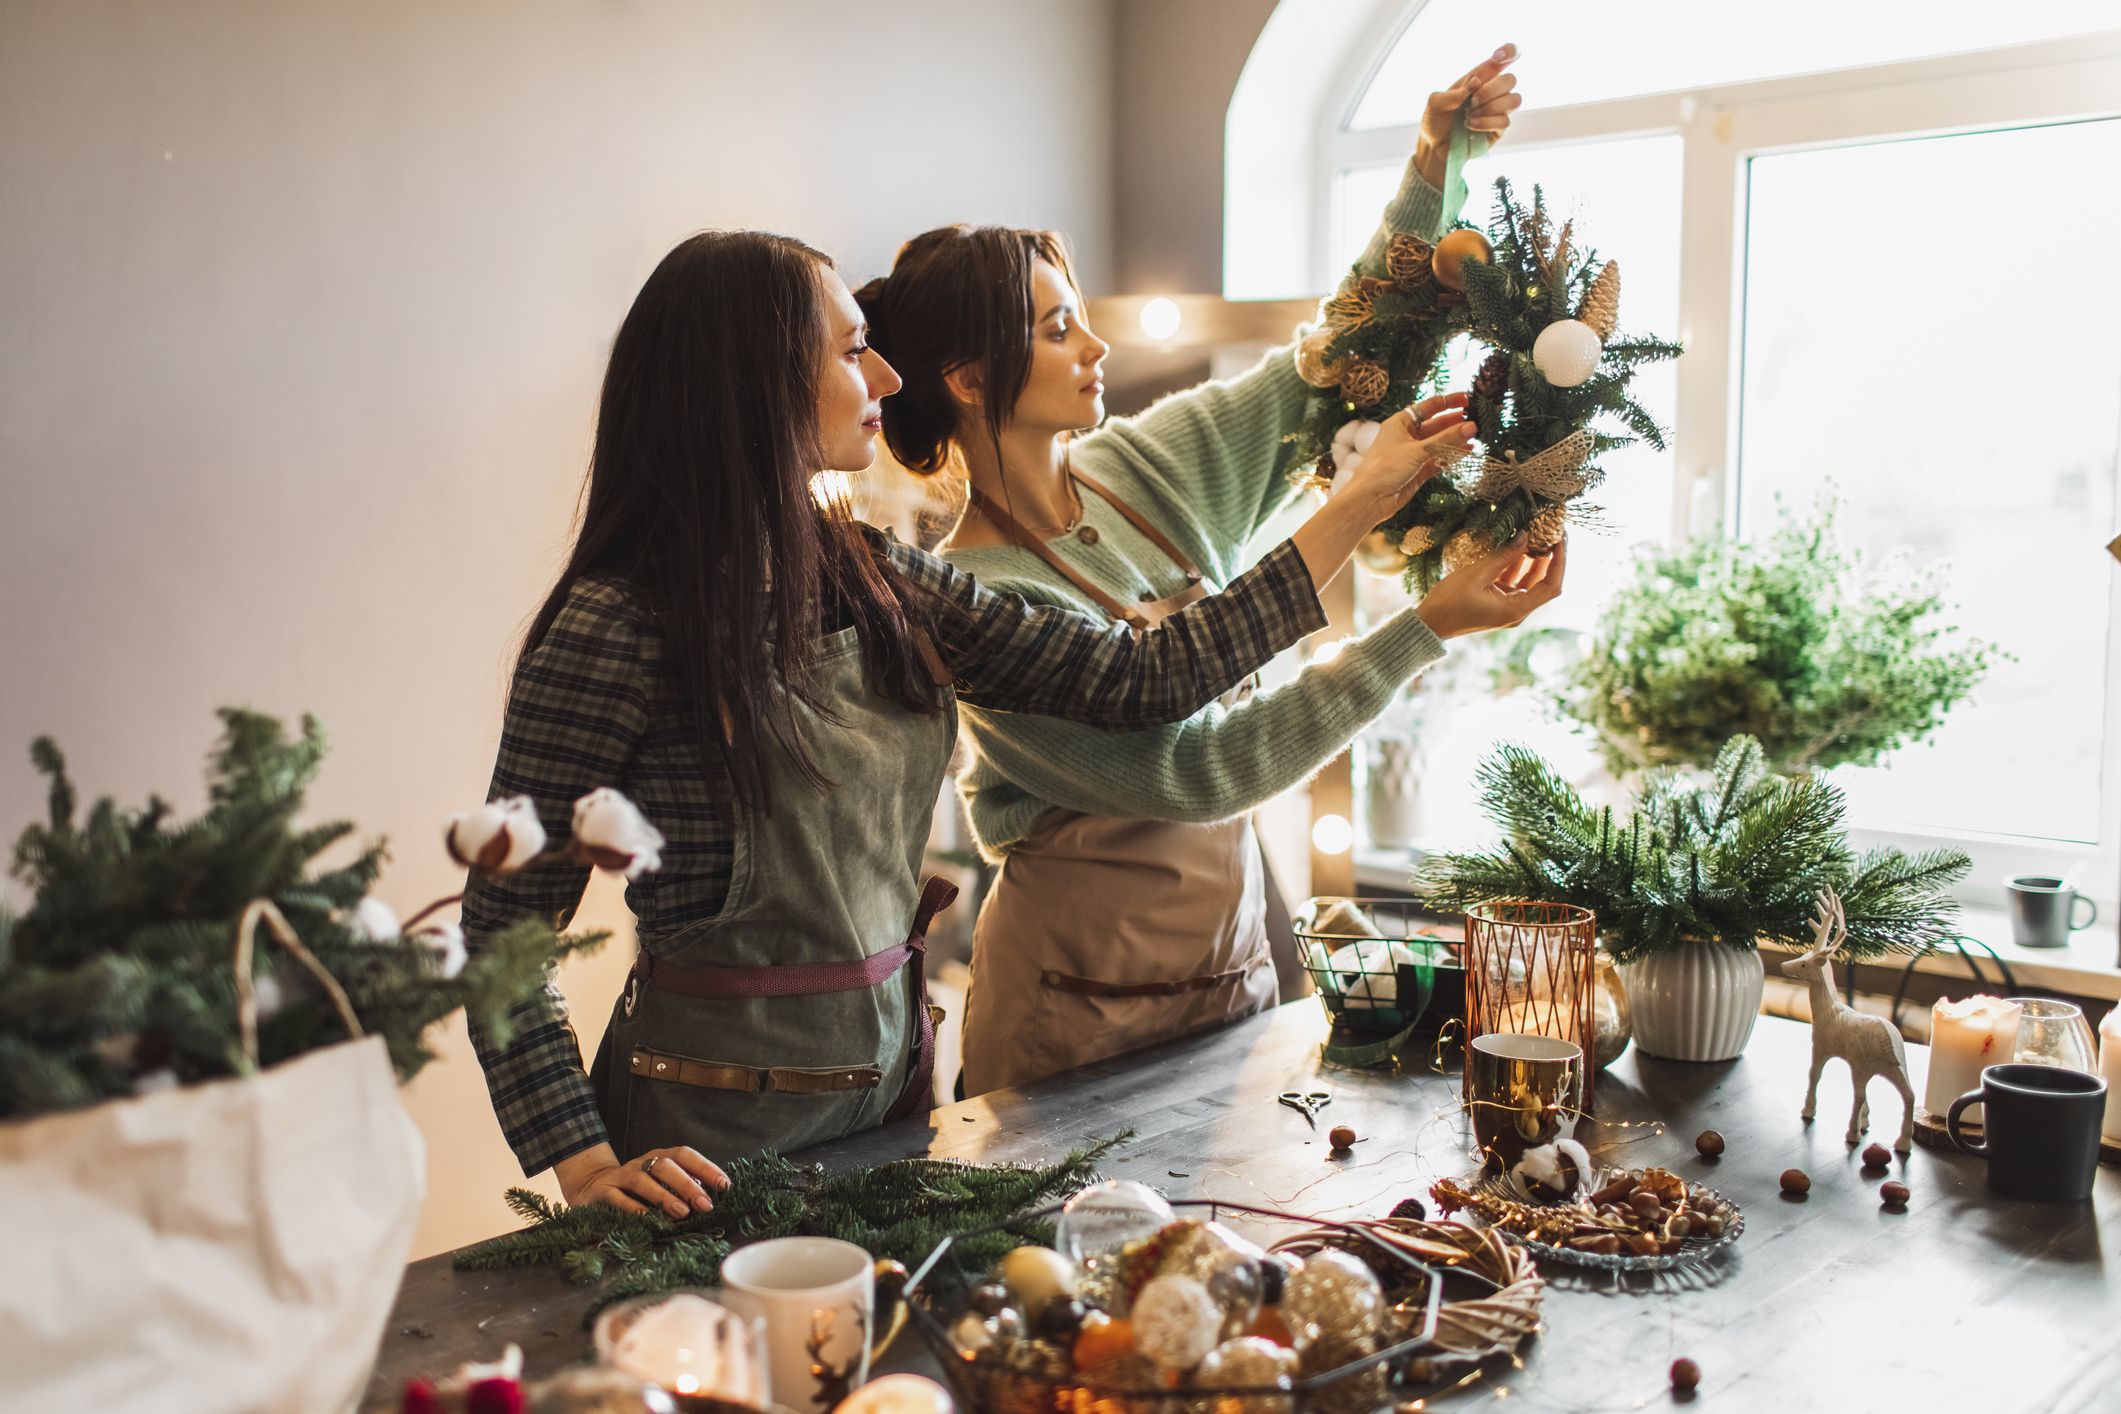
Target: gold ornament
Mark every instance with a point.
(1601, 303)
(1407, 261)
(1547, 528)
(1452, 253)
(1465, 548)
(1377, 554)
(1364, 383)
(1312, 364)
(1418, 540)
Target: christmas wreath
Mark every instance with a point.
(1549, 310)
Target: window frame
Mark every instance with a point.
(1722, 128)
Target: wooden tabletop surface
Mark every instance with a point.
(1962, 1301)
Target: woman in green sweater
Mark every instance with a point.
(1129, 906)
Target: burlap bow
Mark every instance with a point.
(1556, 474)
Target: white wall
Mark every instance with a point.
(305, 306)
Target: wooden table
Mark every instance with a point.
(1963, 1301)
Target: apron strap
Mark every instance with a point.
(1125, 613)
(1141, 522)
(919, 1095)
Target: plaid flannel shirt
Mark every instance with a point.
(591, 706)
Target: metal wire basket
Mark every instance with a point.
(994, 1384)
(1374, 961)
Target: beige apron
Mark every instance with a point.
(1101, 934)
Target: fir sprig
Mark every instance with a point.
(1739, 860)
(899, 1210)
(122, 965)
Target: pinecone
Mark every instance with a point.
(1601, 303)
(1493, 380)
(1407, 261)
(1311, 363)
(1547, 528)
(1463, 549)
(1364, 383)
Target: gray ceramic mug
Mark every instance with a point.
(2044, 911)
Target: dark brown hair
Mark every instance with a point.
(956, 295)
(699, 497)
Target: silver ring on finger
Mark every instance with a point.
(653, 1160)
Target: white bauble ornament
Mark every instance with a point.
(1366, 974)
(1103, 1218)
(1036, 1275)
(1566, 353)
(1176, 1321)
(1350, 445)
(899, 1394)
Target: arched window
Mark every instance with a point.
(1884, 234)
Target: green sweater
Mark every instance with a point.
(1209, 468)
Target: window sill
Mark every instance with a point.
(2086, 968)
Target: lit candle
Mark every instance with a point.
(2110, 1067)
(1965, 1039)
(689, 1345)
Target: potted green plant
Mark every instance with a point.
(1691, 879)
(1785, 639)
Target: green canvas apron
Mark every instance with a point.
(794, 1016)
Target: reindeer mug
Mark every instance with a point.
(818, 1299)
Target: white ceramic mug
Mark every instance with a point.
(817, 1299)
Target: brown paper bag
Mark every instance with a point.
(230, 1246)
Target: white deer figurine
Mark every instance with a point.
(1870, 1044)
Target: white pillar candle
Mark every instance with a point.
(1965, 1039)
(2110, 1067)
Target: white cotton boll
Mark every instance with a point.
(1552, 1171)
(446, 942)
(373, 921)
(154, 1082)
(1350, 445)
(499, 837)
(612, 833)
(269, 996)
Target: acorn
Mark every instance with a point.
(1796, 1182)
(1894, 1193)
(1686, 1375)
(1708, 1144)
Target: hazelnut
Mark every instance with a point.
(1342, 1137)
(1708, 1144)
(1796, 1182)
(1877, 1156)
(1686, 1375)
(1894, 1193)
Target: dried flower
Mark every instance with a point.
(611, 833)
(499, 837)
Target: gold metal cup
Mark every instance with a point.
(1524, 1091)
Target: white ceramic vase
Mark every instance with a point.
(1694, 1003)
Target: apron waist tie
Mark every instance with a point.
(1089, 987)
(805, 979)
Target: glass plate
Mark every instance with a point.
(1692, 1250)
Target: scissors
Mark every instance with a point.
(1309, 1101)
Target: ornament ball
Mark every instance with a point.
(1566, 353)
(1452, 253)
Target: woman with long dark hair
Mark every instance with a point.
(774, 684)
(1130, 902)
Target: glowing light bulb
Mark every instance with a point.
(1160, 318)
(1332, 834)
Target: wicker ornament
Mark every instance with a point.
(1493, 380)
(1452, 253)
(1601, 303)
(1464, 549)
(1354, 303)
(1313, 366)
(1364, 383)
(1419, 540)
(1547, 528)
(1407, 261)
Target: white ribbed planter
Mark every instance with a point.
(1695, 1003)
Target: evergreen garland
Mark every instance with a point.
(1529, 284)
(121, 969)
(1738, 860)
(899, 1210)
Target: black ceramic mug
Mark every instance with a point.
(2040, 1130)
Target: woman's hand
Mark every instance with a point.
(1496, 591)
(1485, 95)
(676, 1180)
(1411, 446)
